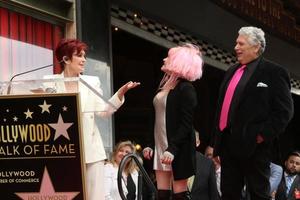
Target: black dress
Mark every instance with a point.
(179, 117)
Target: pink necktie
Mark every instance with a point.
(228, 96)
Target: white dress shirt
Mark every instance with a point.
(111, 182)
(218, 179)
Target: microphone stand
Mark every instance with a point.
(26, 72)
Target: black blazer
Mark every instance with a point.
(204, 185)
(281, 190)
(180, 108)
(264, 107)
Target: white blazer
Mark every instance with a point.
(93, 146)
(111, 182)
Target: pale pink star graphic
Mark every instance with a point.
(61, 128)
(47, 191)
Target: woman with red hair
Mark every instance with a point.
(71, 54)
(174, 137)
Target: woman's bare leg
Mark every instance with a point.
(180, 186)
(163, 179)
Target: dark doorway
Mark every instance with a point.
(290, 139)
(140, 60)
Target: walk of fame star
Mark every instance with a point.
(28, 113)
(46, 191)
(61, 128)
(45, 107)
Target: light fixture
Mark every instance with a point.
(138, 147)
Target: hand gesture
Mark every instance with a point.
(217, 162)
(128, 86)
(148, 153)
(167, 158)
(259, 139)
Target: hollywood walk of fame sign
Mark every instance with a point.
(40, 147)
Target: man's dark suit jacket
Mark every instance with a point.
(281, 190)
(204, 185)
(264, 106)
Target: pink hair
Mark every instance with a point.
(182, 62)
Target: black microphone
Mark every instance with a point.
(26, 72)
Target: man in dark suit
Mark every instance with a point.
(289, 186)
(203, 185)
(254, 107)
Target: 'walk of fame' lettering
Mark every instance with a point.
(37, 150)
(25, 133)
(9, 150)
(59, 149)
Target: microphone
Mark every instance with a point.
(26, 72)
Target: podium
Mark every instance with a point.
(41, 139)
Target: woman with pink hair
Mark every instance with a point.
(174, 137)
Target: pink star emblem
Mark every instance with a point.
(47, 191)
(61, 128)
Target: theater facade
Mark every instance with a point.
(129, 38)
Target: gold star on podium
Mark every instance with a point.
(45, 107)
(28, 113)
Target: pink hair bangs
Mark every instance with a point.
(185, 62)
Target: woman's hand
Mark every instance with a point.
(167, 158)
(128, 86)
(147, 153)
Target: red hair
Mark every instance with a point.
(66, 48)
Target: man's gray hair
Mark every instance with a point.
(256, 36)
